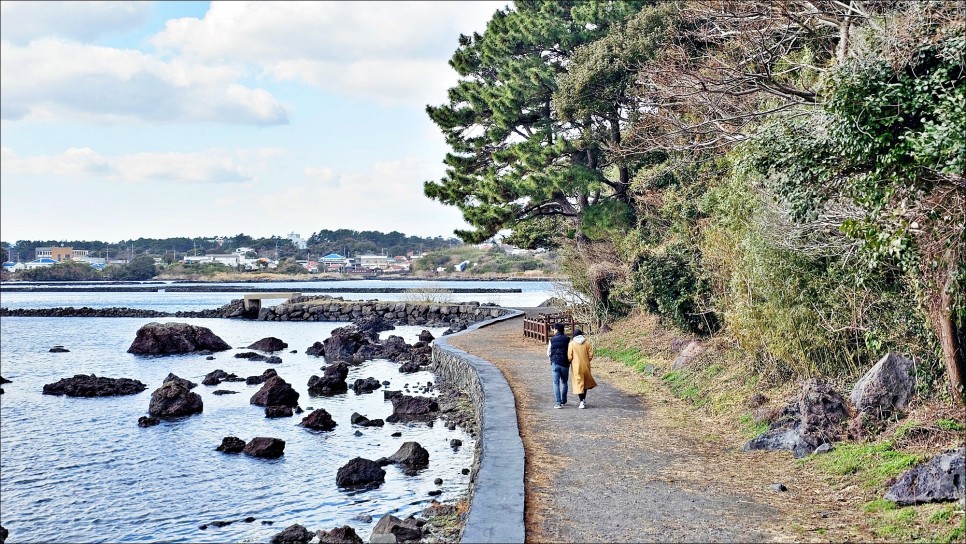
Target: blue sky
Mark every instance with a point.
(121, 120)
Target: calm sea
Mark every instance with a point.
(81, 470)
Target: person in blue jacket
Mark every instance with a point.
(559, 364)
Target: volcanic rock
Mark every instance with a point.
(319, 420)
(886, 388)
(58, 349)
(332, 381)
(276, 392)
(278, 411)
(367, 385)
(93, 386)
(389, 528)
(255, 380)
(145, 421)
(269, 344)
(293, 534)
(316, 350)
(339, 535)
(171, 377)
(360, 472)
(265, 447)
(174, 398)
(231, 444)
(943, 478)
(169, 338)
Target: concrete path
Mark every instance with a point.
(615, 472)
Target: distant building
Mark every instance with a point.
(374, 261)
(40, 263)
(297, 239)
(60, 253)
(14, 267)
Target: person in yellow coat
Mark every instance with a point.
(580, 352)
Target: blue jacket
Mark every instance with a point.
(557, 349)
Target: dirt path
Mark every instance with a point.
(636, 466)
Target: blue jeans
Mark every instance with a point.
(560, 375)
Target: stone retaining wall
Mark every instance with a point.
(496, 508)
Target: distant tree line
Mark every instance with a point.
(343, 241)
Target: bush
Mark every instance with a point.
(62, 271)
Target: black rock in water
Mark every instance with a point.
(319, 420)
(93, 386)
(269, 344)
(360, 472)
(293, 534)
(170, 338)
(145, 421)
(265, 447)
(231, 444)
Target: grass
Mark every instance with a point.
(751, 428)
(630, 357)
(872, 465)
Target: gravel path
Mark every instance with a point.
(625, 469)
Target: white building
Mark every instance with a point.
(374, 261)
(297, 239)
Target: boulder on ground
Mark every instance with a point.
(360, 472)
(293, 534)
(276, 392)
(231, 444)
(391, 529)
(170, 338)
(815, 418)
(339, 535)
(319, 420)
(886, 388)
(93, 386)
(691, 350)
(943, 478)
(174, 399)
(269, 344)
(265, 447)
(255, 380)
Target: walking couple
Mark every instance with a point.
(564, 352)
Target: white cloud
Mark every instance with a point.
(387, 197)
(391, 51)
(53, 78)
(22, 22)
(84, 164)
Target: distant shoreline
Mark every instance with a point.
(162, 282)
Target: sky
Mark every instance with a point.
(122, 120)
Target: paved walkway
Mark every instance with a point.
(614, 472)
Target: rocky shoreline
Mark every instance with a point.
(304, 308)
(242, 289)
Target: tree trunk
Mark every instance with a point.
(943, 317)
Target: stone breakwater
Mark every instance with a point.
(246, 289)
(305, 308)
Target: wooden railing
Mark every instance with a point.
(541, 327)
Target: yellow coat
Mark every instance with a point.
(580, 353)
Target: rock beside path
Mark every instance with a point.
(94, 386)
(390, 529)
(886, 388)
(817, 417)
(943, 478)
(407, 408)
(410, 457)
(172, 338)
